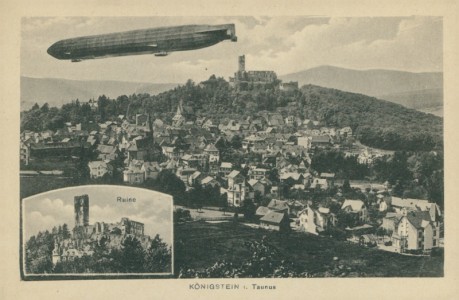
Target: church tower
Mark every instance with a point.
(81, 210)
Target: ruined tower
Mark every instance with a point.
(242, 63)
(81, 210)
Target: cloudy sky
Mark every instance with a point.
(282, 44)
(44, 211)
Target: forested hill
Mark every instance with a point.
(376, 122)
(56, 92)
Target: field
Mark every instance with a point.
(199, 245)
(32, 185)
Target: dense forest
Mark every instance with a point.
(376, 123)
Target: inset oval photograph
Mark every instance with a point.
(97, 231)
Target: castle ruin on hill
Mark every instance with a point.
(84, 235)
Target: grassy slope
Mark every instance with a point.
(199, 245)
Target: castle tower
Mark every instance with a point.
(81, 210)
(242, 63)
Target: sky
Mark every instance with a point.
(44, 211)
(283, 44)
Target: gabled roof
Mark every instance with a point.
(355, 205)
(151, 166)
(226, 165)
(207, 180)
(98, 163)
(411, 203)
(273, 217)
(327, 175)
(233, 174)
(419, 219)
(320, 139)
(293, 175)
(196, 174)
(252, 182)
(278, 205)
(211, 147)
(262, 210)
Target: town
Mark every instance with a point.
(274, 170)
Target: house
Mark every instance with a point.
(292, 178)
(213, 153)
(416, 231)
(226, 168)
(317, 220)
(138, 149)
(390, 221)
(357, 208)
(251, 141)
(258, 173)
(279, 206)
(195, 178)
(329, 177)
(134, 174)
(345, 131)
(398, 204)
(172, 152)
(369, 240)
(237, 191)
(320, 141)
(383, 202)
(98, 169)
(319, 183)
(185, 174)
(304, 141)
(197, 161)
(151, 169)
(261, 211)
(209, 181)
(277, 221)
(257, 186)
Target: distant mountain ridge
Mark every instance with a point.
(56, 91)
(413, 90)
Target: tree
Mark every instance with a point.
(158, 256)
(65, 231)
(346, 186)
(248, 209)
(132, 258)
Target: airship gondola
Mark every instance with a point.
(158, 41)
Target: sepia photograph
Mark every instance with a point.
(96, 231)
(292, 146)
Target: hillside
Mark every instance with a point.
(377, 123)
(56, 92)
(413, 90)
(227, 244)
(424, 100)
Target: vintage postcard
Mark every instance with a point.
(277, 169)
(244, 153)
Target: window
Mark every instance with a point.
(434, 243)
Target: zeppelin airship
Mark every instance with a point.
(158, 41)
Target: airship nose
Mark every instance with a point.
(57, 50)
(53, 51)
